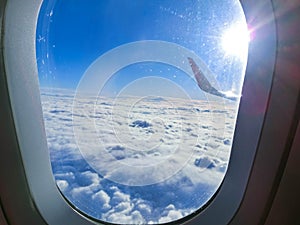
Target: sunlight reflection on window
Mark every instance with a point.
(140, 100)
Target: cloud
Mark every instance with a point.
(62, 184)
(171, 216)
(144, 209)
(119, 197)
(186, 152)
(134, 218)
(103, 199)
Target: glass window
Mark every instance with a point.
(140, 100)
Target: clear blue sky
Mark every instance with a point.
(71, 34)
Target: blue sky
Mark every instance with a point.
(175, 79)
(72, 34)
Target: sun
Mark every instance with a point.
(235, 40)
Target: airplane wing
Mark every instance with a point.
(204, 84)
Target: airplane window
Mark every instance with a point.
(140, 100)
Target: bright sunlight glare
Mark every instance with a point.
(235, 40)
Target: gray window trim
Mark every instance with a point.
(21, 72)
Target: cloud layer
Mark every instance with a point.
(140, 163)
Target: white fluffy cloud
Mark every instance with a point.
(171, 216)
(62, 184)
(187, 185)
(103, 199)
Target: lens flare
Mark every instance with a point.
(235, 40)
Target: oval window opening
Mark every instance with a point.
(140, 100)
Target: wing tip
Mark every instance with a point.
(191, 61)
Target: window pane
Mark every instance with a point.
(140, 100)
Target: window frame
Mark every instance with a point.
(19, 53)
